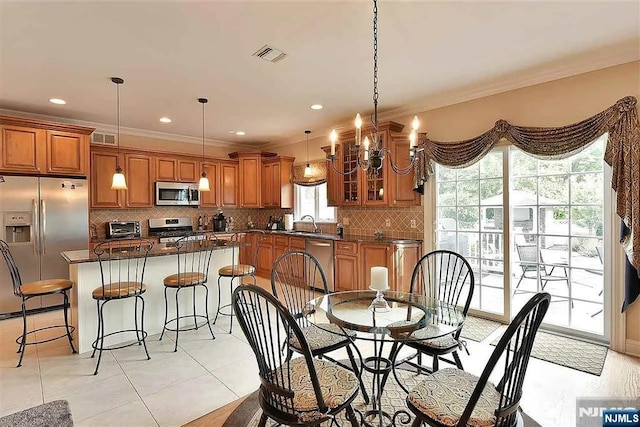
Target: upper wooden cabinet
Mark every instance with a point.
(103, 165)
(37, 147)
(277, 182)
(229, 184)
(211, 198)
(250, 165)
(380, 187)
(176, 169)
(139, 173)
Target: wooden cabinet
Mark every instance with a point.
(210, 199)
(176, 169)
(139, 173)
(401, 186)
(37, 147)
(250, 170)
(277, 182)
(103, 165)
(346, 267)
(280, 246)
(265, 257)
(381, 187)
(229, 185)
(373, 255)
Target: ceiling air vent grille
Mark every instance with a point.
(270, 54)
(103, 138)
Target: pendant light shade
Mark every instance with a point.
(118, 181)
(307, 169)
(203, 185)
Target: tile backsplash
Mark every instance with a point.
(361, 221)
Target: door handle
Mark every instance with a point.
(36, 229)
(43, 228)
(325, 245)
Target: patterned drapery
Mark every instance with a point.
(318, 173)
(622, 153)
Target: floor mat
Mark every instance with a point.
(478, 329)
(575, 354)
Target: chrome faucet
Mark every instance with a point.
(313, 221)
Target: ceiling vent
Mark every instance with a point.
(270, 54)
(103, 138)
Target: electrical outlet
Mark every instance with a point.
(413, 223)
(345, 220)
(387, 222)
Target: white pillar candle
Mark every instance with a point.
(379, 278)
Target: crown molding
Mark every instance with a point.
(106, 128)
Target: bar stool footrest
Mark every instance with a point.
(71, 330)
(138, 341)
(190, 327)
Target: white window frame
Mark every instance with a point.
(316, 209)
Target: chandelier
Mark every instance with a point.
(370, 153)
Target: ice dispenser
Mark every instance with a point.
(17, 227)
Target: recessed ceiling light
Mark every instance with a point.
(316, 107)
(165, 119)
(57, 101)
(240, 133)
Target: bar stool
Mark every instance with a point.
(122, 264)
(244, 259)
(194, 257)
(30, 290)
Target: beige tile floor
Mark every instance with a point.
(172, 389)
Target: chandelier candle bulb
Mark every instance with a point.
(366, 148)
(358, 129)
(334, 138)
(415, 124)
(379, 278)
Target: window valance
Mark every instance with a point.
(622, 153)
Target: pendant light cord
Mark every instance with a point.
(203, 136)
(118, 123)
(375, 70)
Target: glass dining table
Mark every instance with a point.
(406, 317)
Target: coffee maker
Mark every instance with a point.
(219, 222)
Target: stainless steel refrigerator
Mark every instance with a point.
(39, 219)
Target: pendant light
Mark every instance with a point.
(307, 169)
(203, 185)
(118, 182)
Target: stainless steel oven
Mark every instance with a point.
(177, 194)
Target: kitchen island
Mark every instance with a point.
(84, 270)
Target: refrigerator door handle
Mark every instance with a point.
(43, 226)
(36, 228)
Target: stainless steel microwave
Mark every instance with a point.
(177, 194)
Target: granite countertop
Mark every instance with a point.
(346, 238)
(160, 249)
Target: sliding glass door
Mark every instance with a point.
(553, 241)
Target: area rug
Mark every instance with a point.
(575, 354)
(248, 412)
(50, 414)
(477, 329)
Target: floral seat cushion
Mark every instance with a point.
(440, 343)
(338, 386)
(319, 337)
(443, 396)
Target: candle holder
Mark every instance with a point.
(379, 304)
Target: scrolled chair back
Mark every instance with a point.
(194, 257)
(266, 324)
(14, 273)
(122, 264)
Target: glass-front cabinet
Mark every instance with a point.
(369, 187)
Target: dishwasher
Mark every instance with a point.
(322, 250)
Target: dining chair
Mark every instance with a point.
(296, 278)
(528, 255)
(38, 288)
(452, 397)
(302, 391)
(194, 256)
(445, 276)
(244, 261)
(122, 264)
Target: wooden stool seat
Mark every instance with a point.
(118, 290)
(190, 278)
(43, 287)
(237, 270)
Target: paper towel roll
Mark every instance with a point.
(288, 222)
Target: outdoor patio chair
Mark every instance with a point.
(529, 264)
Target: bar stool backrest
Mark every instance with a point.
(13, 268)
(266, 324)
(293, 277)
(122, 264)
(194, 256)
